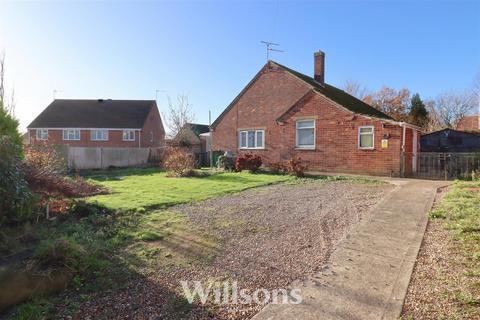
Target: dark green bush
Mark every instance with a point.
(16, 200)
(84, 209)
(9, 127)
(226, 162)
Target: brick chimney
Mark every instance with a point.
(319, 66)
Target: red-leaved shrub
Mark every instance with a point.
(248, 161)
(295, 167)
(178, 162)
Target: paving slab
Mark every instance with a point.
(367, 275)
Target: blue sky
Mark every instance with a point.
(210, 50)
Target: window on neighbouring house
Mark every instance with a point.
(42, 134)
(99, 135)
(305, 136)
(128, 135)
(251, 139)
(71, 134)
(365, 138)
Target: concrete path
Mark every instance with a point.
(367, 276)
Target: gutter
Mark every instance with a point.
(402, 151)
(403, 124)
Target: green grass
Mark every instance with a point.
(460, 208)
(151, 189)
(140, 232)
(34, 310)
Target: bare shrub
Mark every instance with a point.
(179, 163)
(277, 167)
(46, 171)
(295, 167)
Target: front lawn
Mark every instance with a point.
(151, 189)
(115, 233)
(133, 245)
(446, 281)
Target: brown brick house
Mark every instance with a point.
(99, 123)
(282, 114)
(469, 123)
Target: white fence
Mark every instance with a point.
(101, 158)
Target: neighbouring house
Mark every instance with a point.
(192, 136)
(449, 140)
(99, 123)
(25, 138)
(189, 136)
(283, 113)
(469, 123)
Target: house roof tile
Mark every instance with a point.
(70, 113)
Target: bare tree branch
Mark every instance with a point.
(355, 89)
(393, 102)
(2, 78)
(451, 107)
(8, 105)
(178, 115)
(476, 90)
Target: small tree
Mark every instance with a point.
(178, 115)
(179, 163)
(418, 112)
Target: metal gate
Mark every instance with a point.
(445, 166)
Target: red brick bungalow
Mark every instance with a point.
(99, 123)
(282, 114)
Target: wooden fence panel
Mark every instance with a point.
(446, 166)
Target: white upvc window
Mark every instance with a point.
(251, 139)
(99, 135)
(366, 137)
(42, 134)
(305, 134)
(128, 135)
(71, 134)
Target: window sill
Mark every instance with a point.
(366, 149)
(251, 148)
(305, 149)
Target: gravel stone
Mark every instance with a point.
(270, 237)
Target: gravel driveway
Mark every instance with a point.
(270, 237)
